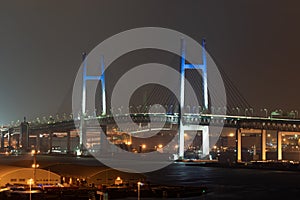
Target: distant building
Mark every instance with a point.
(10, 175)
(94, 175)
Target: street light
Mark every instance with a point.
(34, 165)
(200, 109)
(188, 107)
(212, 110)
(233, 111)
(171, 109)
(246, 110)
(30, 181)
(265, 111)
(238, 110)
(251, 109)
(294, 113)
(225, 110)
(139, 184)
(120, 110)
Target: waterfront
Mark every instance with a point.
(222, 183)
(228, 183)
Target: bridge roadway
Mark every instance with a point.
(246, 122)
(242, 124)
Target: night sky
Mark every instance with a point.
(257, 43)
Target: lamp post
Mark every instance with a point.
(200, 109)
(225, 110)
(233, 111)
(34, 165)
(238, 111)
(266, 111)
(251, 109)
(212, 110)
(188, 107)
(246, 110)
(30, 183)
(139, 189)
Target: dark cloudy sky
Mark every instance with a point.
(255, 42)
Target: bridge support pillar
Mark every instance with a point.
(24, 136)
(263, 144)
(10, 131)
(103, 136)
(205, 138)
(238, 135)
(279, 145)
(50, 141)
(68, 142)
(82, 137)
(2, 141)
(181, 140)
(205, 141)
(18, 142)
(37, 141)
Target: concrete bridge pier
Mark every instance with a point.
(205, 138)
(240, 131)
(18, 142)
(10, 132)
(37, 141)
(263, 144)
(24, 136)
(68, 142)
(279, 145)
(279, 141)
(82, 137)
(238, 144)
(2, 141)
(50, 141)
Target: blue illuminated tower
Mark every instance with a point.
(203, 68)
(86, 78)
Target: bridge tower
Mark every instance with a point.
(86, 78)
(24, 135)
(182, 127)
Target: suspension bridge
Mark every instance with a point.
(178, 119)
